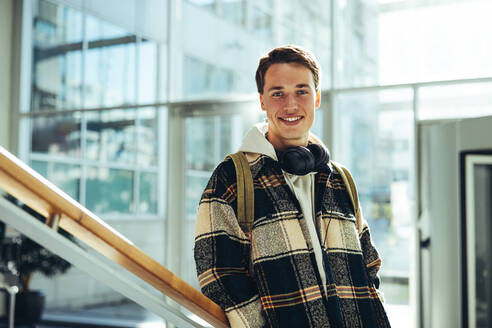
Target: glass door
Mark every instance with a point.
(477, 223)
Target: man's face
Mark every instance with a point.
(289, 99)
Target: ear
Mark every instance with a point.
(318, 99)
(261, 103)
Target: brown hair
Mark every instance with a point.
(287, 54)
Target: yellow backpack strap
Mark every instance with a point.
(245, 192)
(351, 188)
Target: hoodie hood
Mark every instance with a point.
(255, 141)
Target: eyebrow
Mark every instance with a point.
(302, 85)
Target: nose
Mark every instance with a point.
(290, 103)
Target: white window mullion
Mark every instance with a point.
(175, 189)
(83, 134)
(136, 130)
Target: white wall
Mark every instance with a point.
(6, 13)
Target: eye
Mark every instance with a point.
(302, 92)
(277, 94)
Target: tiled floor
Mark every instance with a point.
(132, 315)
(119, 315)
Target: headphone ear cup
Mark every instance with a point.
(320, 154)
(297, 160)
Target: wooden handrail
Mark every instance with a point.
(25, 184)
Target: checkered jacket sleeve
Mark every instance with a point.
(222, 252)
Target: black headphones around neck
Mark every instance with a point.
(303, 160)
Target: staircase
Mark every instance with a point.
(61, 211)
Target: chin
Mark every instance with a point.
(294, 138)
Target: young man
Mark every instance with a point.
(309, 260)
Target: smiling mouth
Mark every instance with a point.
(291, 119)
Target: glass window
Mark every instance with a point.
(202, 79)
(233, 11)
(436, 48)
(162, 73)
(379, 43)
(206, 4)
(98, 30)
(187, 246)
(147, 72)
(262, 24)
(209, 142)
(287, 12)
(455, 101)
(111, 136)
(109, 190)
(357, 43)
(374, 133)
(148, 193)
(64, 176)
(110, 65)
(317, 128)
(286, 33)
(57, 57)
(267, 4)
(108, 159)
(196, 76)
(57, 136)
(147, 136)
(196, 181)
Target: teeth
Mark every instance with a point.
(292, 119)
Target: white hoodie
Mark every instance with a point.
(301, 185)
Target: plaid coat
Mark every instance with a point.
(269, 279)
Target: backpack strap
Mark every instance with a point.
(245, 191)
(351, 188)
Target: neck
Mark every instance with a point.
(281, 144)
